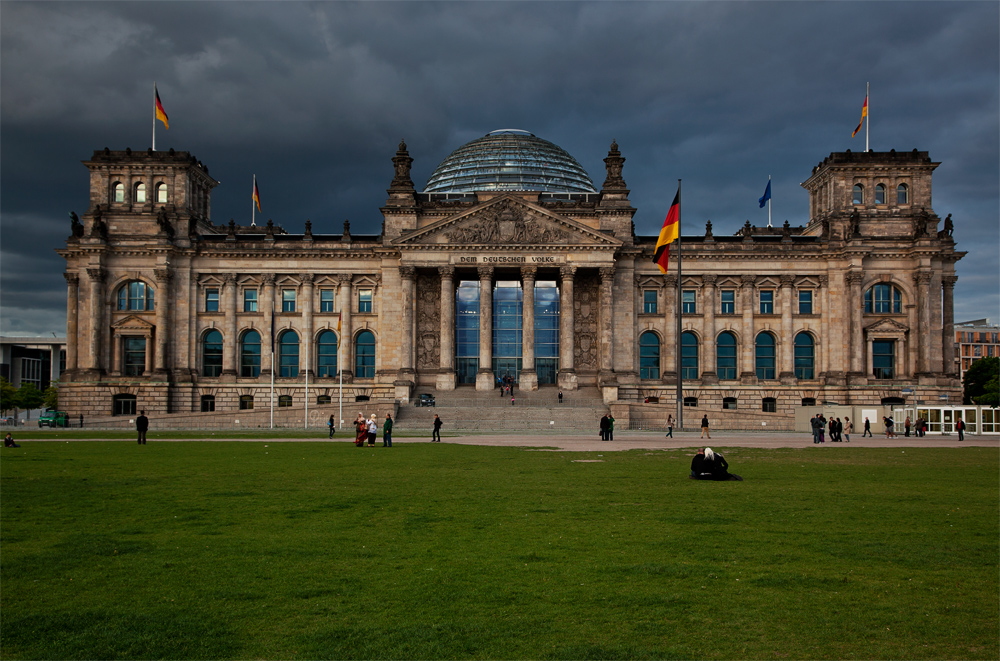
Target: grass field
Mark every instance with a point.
(323, 550)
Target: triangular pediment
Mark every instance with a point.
(132, 322)
(506, 220)
(886, 326)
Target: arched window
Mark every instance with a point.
(250, 356)
(805, 356)
(725, 356)
(364, 355)
(880, 194)
(859, 194)
(118, 191)
(211, 354)
(246, 402)
(140, 193)
(161, 193)
(764, 356)
(135, 295)
(883, 299)
(689, 356)
(123, 404)
(326, 354)
(649, 356)
(207, 403)
(322, 399)
(902, 194)
(288, 354)
(284, 401)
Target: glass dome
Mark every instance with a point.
(510, 160)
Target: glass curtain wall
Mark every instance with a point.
(467, 331)
(508, 307)
(546, 331)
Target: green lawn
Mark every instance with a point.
(318, 550)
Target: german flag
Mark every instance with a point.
(864, 113)
(161, 114)
(670, 232)
(256, 193)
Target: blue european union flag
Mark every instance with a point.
(767, 194)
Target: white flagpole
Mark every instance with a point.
(154, 115)
(677, 312)
(306, 421)
(340, 346)
(868, 114)
(769, 201)
(272, 362)
(253, 203)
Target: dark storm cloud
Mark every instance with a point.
(314, 98)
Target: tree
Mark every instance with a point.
(8, 395)
(52, 396)
(29, 396)
(980, 382)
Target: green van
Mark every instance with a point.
(50, 418)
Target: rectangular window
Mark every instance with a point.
(134, 355)
(649, 301)
(288, 300)
(687, 301)
(212, 300)
(364, 300)
(326, 300)
(805, 302)
(31, 371)
(767, 301)
(728, 301)
(249, 300)
(883, 358)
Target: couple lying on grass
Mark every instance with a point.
(709, 465)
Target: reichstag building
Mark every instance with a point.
(509, 262)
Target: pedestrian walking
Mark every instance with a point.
(848, 429)
(387, 431)
(329, 423)
(436, 434)
(512, 400)
(961, 429)
(670, 426)
(868, 429)
(704, 427)
(141, 426)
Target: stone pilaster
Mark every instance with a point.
(748, 372)
(708, 373)
(856, 347)
(406, 277)
(670, 303)
(948, 335)
(567, 373)
(230, 343)
(607, 375)
(306, 358)
(528, 376)
(96, 276)
(922, 279)
(446, 375)
(786, 346)
(266, 347)
(345, 348)
(72, 312)
(484, 377)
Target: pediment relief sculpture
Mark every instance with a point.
(505, 223)
(886, 326)
(132, 323)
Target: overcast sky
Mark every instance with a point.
(314, 99)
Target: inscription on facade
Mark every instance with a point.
(509, 259)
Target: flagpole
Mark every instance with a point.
(306, 418)
(679, 306)
(272, 362)
(769, 202)
(340, 345)
(868, 114)
(253, 203)
(154, 115)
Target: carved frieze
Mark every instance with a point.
(506, 223)
(586, 308)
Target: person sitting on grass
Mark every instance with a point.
(8, 441)
(717, 465)
(699, 469)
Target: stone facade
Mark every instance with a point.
(171, 313)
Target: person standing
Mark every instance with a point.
(604, 427)
(848, 429)
(387, 431)
(372, 430)
(670, 427)
(704, 427)
(611, 427)
(868, 429)
(961, 429)
(360, 430)
(832, 426)
(906, 427)
(141, 426)
(81, 421)
(329, 423)
(512, 400)
(560, 396)
(436, 434)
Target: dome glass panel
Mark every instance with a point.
(510, 160)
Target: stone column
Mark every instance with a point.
(230, 343)
(787, 345)
(948, 335)
(708, 374)
(345, 341)
(606, 373)
(96, 276)
(72, 310)
(266, 348)
(307, 359)
(922, 279)
(446, 374)
(163, 330)
(406, 276)
(748, 371)
(148, 365)
(567, 371)
(669, 351)
(484, 377)
(856, 347)
(528, 377)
